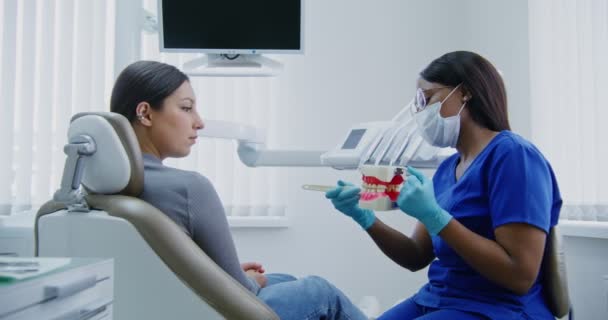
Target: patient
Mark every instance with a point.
(159, 102)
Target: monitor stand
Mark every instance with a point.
(252, 65)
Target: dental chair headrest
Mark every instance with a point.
(117, 166)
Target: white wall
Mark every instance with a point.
(360, 64)
(498, 30)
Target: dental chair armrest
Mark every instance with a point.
(47, 208)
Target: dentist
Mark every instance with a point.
(483, 220)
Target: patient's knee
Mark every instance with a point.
(319, 286)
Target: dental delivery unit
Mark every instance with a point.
(380, 150)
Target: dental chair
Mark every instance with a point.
(160, 273)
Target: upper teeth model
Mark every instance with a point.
(381, 186)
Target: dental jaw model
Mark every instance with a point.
(379, 190)
(380, 187)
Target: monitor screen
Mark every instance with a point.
(237, 26)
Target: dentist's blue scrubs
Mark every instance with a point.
(509, 182)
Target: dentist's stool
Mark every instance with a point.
(160, 273)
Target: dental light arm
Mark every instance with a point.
(256, 155)
(252, 148)
(382, 143)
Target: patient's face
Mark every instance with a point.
(174, 127)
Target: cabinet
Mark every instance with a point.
(82, 289)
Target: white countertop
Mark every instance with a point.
(586, 229)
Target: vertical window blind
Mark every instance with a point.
(56, 60)
(569, 77)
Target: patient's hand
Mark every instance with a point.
(258, 277)
(253, 266)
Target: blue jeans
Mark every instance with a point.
(307, 298)
(408, 310)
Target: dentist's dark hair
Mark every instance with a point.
(144, 81)
(480, 80)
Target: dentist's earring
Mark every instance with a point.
(140, 117)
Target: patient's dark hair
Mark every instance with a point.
(144, 81)
(488, 103)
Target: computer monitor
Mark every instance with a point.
(231, 27)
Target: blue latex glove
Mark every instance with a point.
(345, 198)
(417, 199)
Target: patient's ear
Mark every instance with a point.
(142, 114)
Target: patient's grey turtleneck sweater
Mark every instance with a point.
(190, 200)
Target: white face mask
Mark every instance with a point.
(436, 130)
